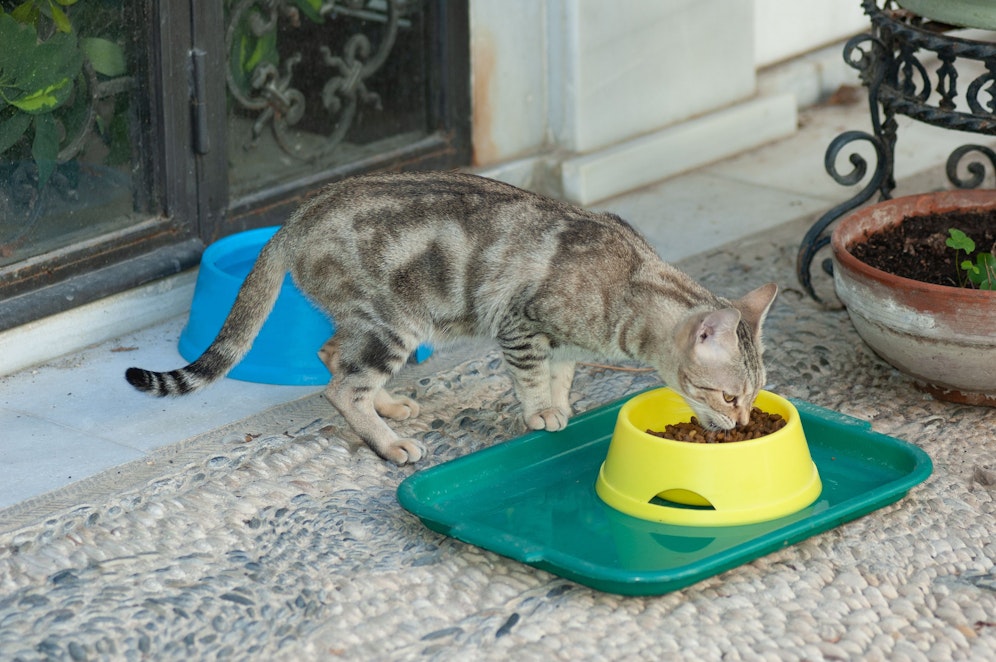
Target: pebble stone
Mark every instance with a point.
(284, 540)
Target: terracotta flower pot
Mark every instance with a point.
(943, 337)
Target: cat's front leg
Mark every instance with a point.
(395, 407)
(527, 357)
(561, 379)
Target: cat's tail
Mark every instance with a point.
(252, 306)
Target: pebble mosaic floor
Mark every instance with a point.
(279, 537)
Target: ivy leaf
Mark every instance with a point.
(45, 100)
(27, 66)
(958, 240)
(39, 78)
(12, 130)
(17, 40)
(45, 148)
(106, 57)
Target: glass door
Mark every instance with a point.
(134, 133)
(314, 90)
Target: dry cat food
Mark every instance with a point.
(761, 423)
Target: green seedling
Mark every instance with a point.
(979, 272)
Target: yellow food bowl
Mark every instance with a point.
(691, 484)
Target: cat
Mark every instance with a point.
(399, 259)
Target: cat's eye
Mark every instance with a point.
(729, 398)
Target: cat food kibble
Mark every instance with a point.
(761, 424)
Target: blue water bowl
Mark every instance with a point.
(285, 351)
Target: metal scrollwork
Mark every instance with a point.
(912, 78)
(975, 169)
(271, 90)
(976, 87)
(890, 62)
(817, 237)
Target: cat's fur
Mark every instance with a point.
(400, 259)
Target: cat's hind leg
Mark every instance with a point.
(360, 367)
(395, 407)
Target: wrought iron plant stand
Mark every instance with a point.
(889, 60)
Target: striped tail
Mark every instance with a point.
(252, 306)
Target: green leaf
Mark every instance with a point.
(311, 9)
(58, 57)
(45, 100)
(12, 130)
(67, 3)
(118, 135)
(264, 51)
(983, 272)
(958, 240)
(106, 57)
(969, 267)
(17, 40)
(249, 52)
(59, 17)
(39, 78)
(45, 148)
(26, 12)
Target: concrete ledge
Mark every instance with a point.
(678, 148)
(811, 77)
(71, 331)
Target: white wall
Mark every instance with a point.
(508, 50)
(637, 66)
(565, 81)
(585, 74)
(787, 28)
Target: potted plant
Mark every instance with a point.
(944, 336)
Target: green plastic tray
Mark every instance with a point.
(533, 499)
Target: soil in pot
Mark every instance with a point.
(915, 247)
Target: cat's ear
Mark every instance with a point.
(754, 305)
(716, 334)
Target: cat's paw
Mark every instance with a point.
(402, 451)
(551, 419)
(395, 407)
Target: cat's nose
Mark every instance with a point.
(743, 417)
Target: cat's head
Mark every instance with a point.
(720, 370)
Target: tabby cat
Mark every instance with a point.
(399, 259)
